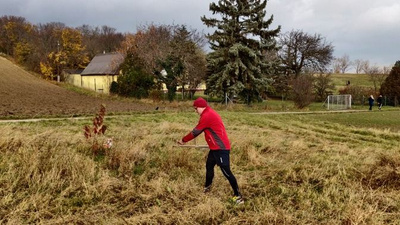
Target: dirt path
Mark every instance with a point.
(312, 112)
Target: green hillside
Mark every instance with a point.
(340, 80)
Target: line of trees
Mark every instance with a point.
(169, 55)
(344, 64)
(381, 78)
(247, 61)
(52, 47)
(250, 60)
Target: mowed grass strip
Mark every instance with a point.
(383, 120)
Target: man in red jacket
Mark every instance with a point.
(215, 134)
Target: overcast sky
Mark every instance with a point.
(362, 29)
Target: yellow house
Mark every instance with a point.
(99, 74)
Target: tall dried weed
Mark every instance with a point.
(93, 134)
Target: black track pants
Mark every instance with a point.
(220, 158)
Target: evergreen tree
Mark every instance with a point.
(184, 52)
(174, 68)
(391, 86)
(135, 81)
(238, 65)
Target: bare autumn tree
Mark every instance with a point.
(365, 66)
(343, 63)
(48, 40)
(300, 51)
(336, 66)
(187, 46)
(358, 64)
(100, 39)
(169, 46)
(90, 37)
(377, 77)
(387, 69)
(302, 90)
(150, 43)
(50, 36)
(110, 40)
(196, 69)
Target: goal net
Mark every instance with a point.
(338, 102)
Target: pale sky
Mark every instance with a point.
(362, 29)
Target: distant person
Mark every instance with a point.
(380, 101)
(371, 101)
(217, 139)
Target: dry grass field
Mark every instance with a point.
(291, 168)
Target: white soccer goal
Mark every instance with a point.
(338, 102)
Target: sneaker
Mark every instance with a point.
(207, 189)
(237, 200)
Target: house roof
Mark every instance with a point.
(104, 64)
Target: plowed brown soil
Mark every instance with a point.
(24, 95)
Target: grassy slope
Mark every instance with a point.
(340, 79)
(293, 169)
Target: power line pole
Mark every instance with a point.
(58, 61)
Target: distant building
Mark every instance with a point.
(99, 74)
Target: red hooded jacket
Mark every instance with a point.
(214, 130)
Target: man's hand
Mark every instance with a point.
(180, 142)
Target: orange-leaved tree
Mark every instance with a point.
(69, 54)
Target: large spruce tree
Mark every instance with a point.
(237, 65)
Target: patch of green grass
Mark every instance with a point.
(80, 90)
(384, 120)
(340, 80)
